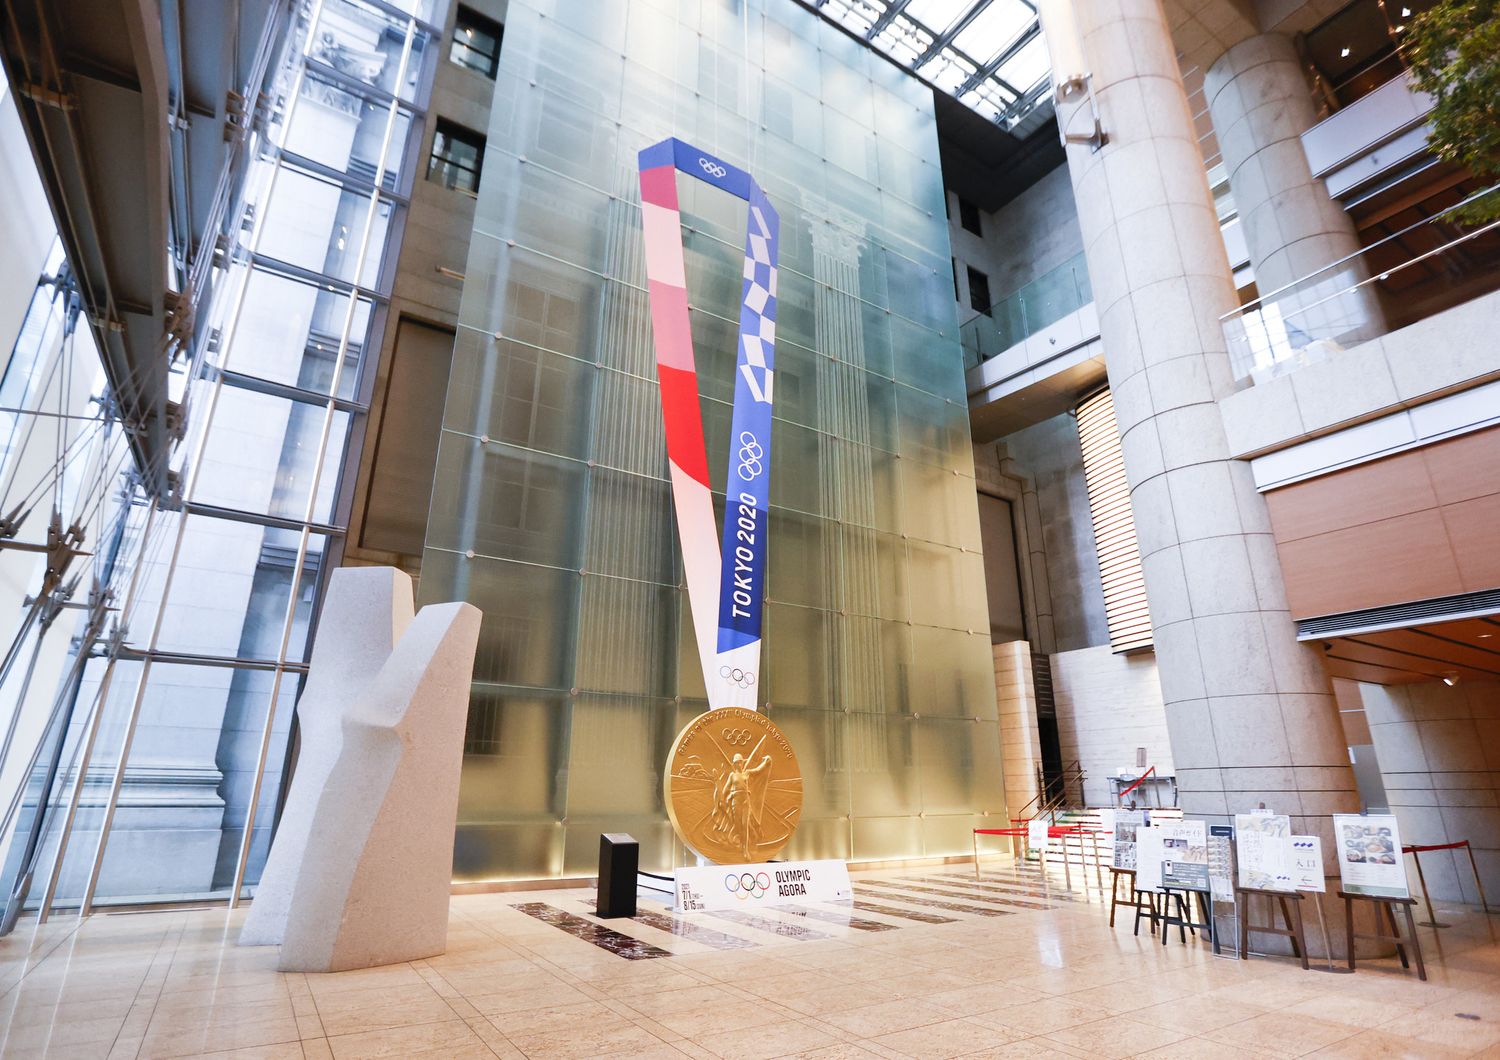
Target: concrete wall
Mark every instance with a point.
(1049, 454)
(1028, 236)
(1439, 753)
(1107, 706)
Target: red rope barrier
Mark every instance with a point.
(1440, 846)
(1138, 782)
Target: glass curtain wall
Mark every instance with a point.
(172, 766)
(552, 511)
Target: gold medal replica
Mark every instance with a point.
(732, 788)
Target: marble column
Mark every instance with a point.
(1261, 105)
(1249, 710)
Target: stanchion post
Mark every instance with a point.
(1478, 883)
(1432, 920)
(976, 854)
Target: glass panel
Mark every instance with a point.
(289, 331)
(496, 500)
(344, 130)
(530, 612)
(362, 43)
(318, 225)
(237, 466)
(195, 749)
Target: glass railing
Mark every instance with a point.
(1014, 318)
(1414, 273)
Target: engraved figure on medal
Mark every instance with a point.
(733, 789)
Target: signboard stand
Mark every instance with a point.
(1385, 903)
(1291, 915)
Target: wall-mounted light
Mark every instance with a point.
(1071, 79)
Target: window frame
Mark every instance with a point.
(979, 284)
(968, 211)
(448, 131)
(473, 21)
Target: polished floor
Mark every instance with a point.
(926, 964)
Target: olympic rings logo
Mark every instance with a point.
(750, 456)
(737, 737)
(712, 169)
(734, 675)
(747, 884)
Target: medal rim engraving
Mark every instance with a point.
(698, 843)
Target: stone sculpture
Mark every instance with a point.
(360, 871)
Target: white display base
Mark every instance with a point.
(710, 887)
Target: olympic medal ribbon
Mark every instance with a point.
(724, 587)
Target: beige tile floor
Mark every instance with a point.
(1038, 982)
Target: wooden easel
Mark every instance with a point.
(1293, 929)
(1410, 939)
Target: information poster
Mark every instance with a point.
(1184, 856)
(1265, 850)
(1148, 858)
(1307, 863)
(1126, 824)
(1036, 835)
(1221, 862)
(1369, 853)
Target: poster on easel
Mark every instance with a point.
(1149, 851)
(1264, 849)
(1369, 852)
(1127, 822)
(1307, 863)
(1184, 855)
(1037, 834)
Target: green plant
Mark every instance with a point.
(1454, 52)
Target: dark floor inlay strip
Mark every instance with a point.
(775, 927)
(905, 914)
(833, 916)
(952, 907)
(949, 892)
(684, 928)
(601, 936)
(992, 894)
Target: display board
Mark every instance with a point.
(1368, 847)
(1184, 855)
(1263, 842)
(1127, 822)
(1307, 863)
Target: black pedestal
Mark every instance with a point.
(619, 857)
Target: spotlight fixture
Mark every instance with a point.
(1344, 54)
(1450, 679)
(1406, 12)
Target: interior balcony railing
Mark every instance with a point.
(1019, 315)
(1414, 273)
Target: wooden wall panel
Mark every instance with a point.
(1416, 525)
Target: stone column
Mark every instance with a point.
(1261, 105)
(1250, 712)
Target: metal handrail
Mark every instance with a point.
(1267, 298)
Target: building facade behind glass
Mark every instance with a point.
(551, 509)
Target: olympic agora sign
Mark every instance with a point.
(725, 572)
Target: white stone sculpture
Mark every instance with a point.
(360, 871)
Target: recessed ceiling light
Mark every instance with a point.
(1406, 12)
(1450, 679)
(1344, 54)
(1485, 636)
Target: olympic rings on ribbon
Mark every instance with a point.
(711, 168)
(743, 678)
(747, 885)
(750, 456)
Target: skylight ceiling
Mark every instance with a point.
(988, 54)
